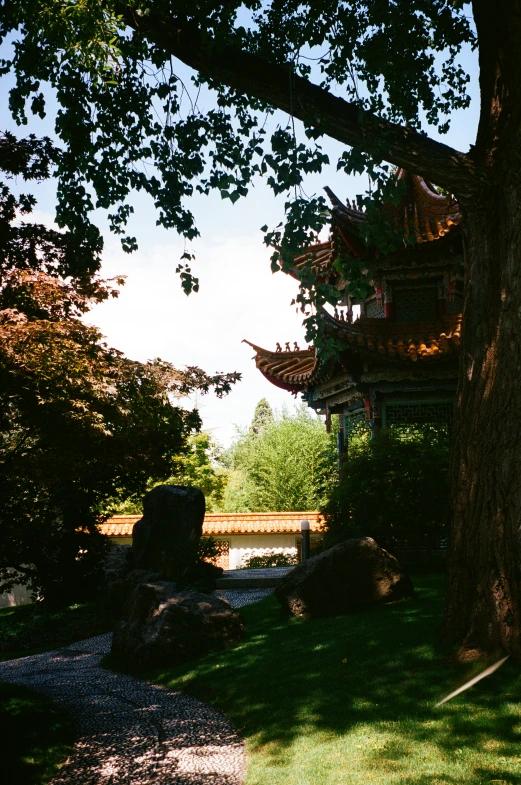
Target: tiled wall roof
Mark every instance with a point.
(229, 523)
(260, 522)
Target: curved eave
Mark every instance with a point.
(345, 210)
(407, 342)
(423, 212)
(319, 257)
(276, 382)
(289, 370)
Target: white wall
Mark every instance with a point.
(246, 545)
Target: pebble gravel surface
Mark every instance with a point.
(130, 732)
(239, 597)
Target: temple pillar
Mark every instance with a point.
(389, 309)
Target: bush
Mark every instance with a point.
(285, 463)
(394, 489)
(269, 560)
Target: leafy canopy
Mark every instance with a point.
(197, 464)
(130, 118)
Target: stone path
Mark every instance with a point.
(130, 732)
(267, 577)
(239, 597)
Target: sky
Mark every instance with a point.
(239, 297)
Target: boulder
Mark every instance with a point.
(116, 592)
(347, 577)
(160, 626)
(166, 538)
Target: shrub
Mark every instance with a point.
(394, 488)
(209, 549)
(269, 559)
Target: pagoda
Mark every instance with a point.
(398, 359)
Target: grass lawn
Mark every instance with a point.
(35, 736)
(29, 629)
(350, 700)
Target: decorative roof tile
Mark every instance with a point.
(394, 341)
(119, 525)
(320, 255)
(422, 212)
(260, 523)
(229, 523)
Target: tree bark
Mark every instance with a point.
(483, 612)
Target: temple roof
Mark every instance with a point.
(374, 339)
(228, 523)
(411, 341)
(422, 212)
(289, 369)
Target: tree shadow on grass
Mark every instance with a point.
(371, 680)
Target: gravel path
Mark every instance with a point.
(239, 597)
(130, 732)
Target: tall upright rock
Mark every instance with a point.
(167, 536)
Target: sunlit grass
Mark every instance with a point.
(351, 700)
(35, 737)
(29, 629)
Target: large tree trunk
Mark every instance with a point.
(483, 612)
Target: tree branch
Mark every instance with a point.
(269, 82)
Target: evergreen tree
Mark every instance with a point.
(262, 416)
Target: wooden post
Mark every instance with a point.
(306, 541)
